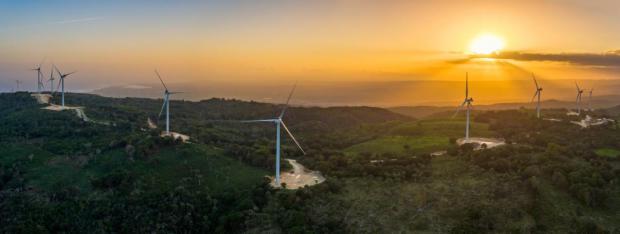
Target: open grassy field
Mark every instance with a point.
(423, 136)
(451, 128)
(401, 145)
(607, 152)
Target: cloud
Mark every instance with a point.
(609, 59)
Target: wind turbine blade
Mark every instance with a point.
(535, 93)
(58, 86)
(288, 100)
(163, 105)
(160, 79)
(466, 85)
(576, 85)
(70, 73)
(175, 92)
(459, 109)
(292, 137)
(535, 82)
(58, 71)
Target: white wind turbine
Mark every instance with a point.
(17, 83)
(278, 122)
(62, 84)
(166, 104)
(51, 80)
(39, 77)
(468, 100)
(578, 100)
(537, 94)
(590, 99)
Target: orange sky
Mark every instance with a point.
(121, 43)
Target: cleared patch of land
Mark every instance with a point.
(299, 176)
(176, 135)
(479, 141)
(42, 98)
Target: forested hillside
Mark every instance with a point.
(59, 173)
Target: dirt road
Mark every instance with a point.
(300, 176)
(489, 142)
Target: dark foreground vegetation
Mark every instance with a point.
(60, 174)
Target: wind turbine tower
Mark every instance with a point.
(62, 84)
(578, 100)
(537, 95)
(590, 99)
(17, 83)
(51, 80)
(166, 104)
(279, 122)
(39, 78)
(467, 101)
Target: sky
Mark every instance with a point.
(197, 42)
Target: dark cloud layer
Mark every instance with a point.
(609, 59)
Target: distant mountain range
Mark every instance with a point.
(598, 102)
(510, 93)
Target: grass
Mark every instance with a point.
(443, 128)
(401, 145)
(607, 152)
(423, 136)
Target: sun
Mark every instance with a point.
(486, 44)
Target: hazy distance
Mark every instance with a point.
(383, 94)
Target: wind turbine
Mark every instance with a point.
(17, 82)
(578, 100)
(279, 122)
(62, 84)
(166, 104)
(590, 99)
(537, 94)
(468, 100)
(39, 77)
(51, 80)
